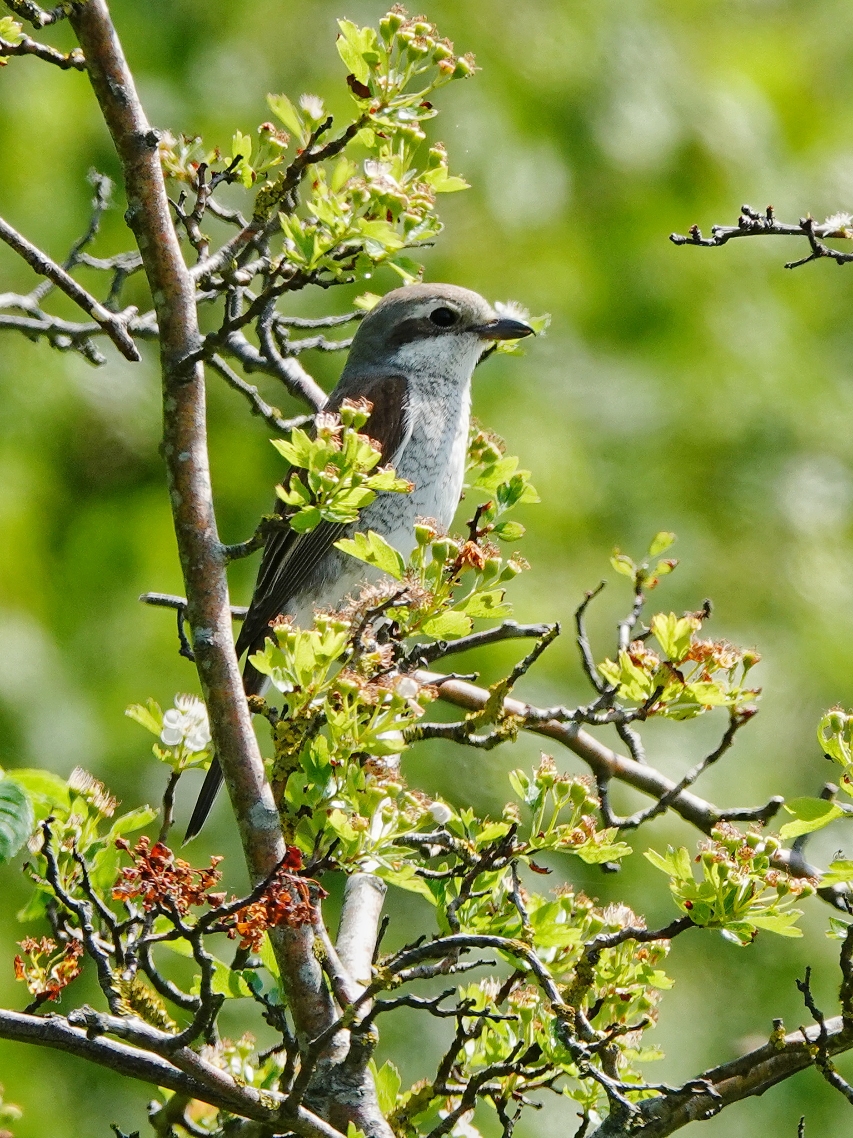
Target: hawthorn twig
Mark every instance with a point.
(751, 223)
(28, 46)
(271, 415)
(114, 325)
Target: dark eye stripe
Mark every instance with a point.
(415, 328)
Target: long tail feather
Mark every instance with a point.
(209, 790)
(253, 683)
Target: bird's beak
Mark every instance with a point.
(503, 328)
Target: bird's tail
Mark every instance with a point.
(253, 684)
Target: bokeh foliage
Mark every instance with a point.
(705, 392)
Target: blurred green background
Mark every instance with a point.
(704, 391)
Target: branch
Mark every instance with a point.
(423, 654)
(28, 46)
(134, 1063)
(270, 415)
(751, 1074)
(35, 15)
(753, 224)
(606, 765)
(115, 326)
(359, 927)
(202, 555)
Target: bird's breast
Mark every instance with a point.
(434, 460)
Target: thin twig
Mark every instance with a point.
(115, 326)
(27, 46)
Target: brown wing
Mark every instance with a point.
(291, 559)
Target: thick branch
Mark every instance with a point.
(185, 451)
(132, 1062)
(202, 555)
(751, 1074)
(359, 926)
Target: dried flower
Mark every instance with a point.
(95, 793)
(45, 979)
(157, 875)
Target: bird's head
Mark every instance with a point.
(432, 329)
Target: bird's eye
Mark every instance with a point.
(443, 317)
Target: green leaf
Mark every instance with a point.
(444, 183)
(388, 1082)
(268, 957)
(839, 872)
(297, 449)
(308, 518)
(16, 818)
(674, 635)
(10, 30)
(660, 543)
(285, 112)
(225, 982)
(675, 862)
(448, 625)
(357, 48)
(150, 716)
(783, 924)
(810, 814)
(46, 791)
(374, 550)
(405, 877)
(593, 854)
(623, 564)
(487, 604)
(508, 531)
(491, 832)
(133, 820)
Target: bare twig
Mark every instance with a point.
(271, 415)
(28, 46)
(751, 223)
(37, 16)
(114, 325)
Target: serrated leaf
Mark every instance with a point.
(16, 818)
(352, 44)
(675, 862)
(374, 550)
(388, 1082)
(149, 715)
(810, 814)
(448, 625)
(308, 518)
(782, 924)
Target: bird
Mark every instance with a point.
(413, 357)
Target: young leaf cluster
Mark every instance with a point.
(339, 465)
(739, 891)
